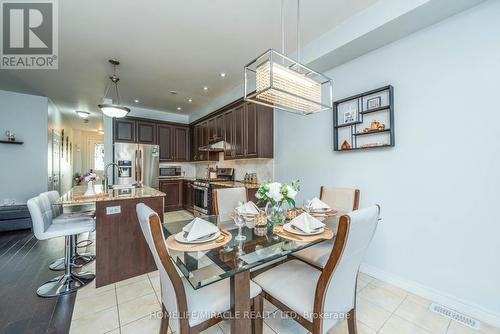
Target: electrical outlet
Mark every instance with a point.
(113, 210)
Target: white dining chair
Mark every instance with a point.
(321, 299)
(43, 228)
(227, 199)
(198, 309)
(344, 200)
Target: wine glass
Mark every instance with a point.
(240, 222)
(307, 205)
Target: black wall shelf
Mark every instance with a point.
(11, 142)
(352, 115)
(370, 132)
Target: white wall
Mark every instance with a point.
(438, 187)
(23, 168)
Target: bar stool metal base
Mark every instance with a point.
(65, 284)
(81, 259)
(58, 264)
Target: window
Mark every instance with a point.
(99, 157)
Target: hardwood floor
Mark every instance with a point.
(24, 266)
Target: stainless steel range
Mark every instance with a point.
(202, 204)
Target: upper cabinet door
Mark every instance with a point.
(165, 141)
(228, 125)
(146, 132)
(219, 127)
(251, 130)
(239, 132)
(181, 144)
(124, 130)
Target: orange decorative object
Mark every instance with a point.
(375, 126)
(345, 145)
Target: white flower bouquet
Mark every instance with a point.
(277, 193)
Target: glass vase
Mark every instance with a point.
(275, 213)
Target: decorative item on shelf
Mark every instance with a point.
(373, 103)
(345, 145)
(275, 194)
(375, 126)
(11, 136)
(350, 116)
(373, 145)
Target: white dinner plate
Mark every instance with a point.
(289, 228)
(179, 237)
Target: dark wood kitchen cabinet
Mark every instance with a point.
(250, 129)
(228, 126)
(215, 129)
(173, 194)
(146, 132)
(165, 135)
(239, 132)
(181, 143)
(124, 130)
(187, 195)
(173, 142)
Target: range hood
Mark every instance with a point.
(219, 146)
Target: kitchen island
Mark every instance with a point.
(121, 250)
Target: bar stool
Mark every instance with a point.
(79, 259)
(44, 228)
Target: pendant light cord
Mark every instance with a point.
(283, 26)
(298, 31)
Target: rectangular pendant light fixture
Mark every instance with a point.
(274, 80)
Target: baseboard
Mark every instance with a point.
(436, 296)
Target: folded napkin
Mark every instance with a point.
(317, 204)
(249, 208)
(199, 228)
(307, 223)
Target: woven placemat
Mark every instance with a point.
(219, 242)
(330, 213)
(326, 235)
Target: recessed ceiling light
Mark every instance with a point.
(136, 101)
(173, 92)
(83, 114)
(205, 88)
(222, 74)
(179, 108)
(190, 100)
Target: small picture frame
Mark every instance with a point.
(373, 103)
(350, 116)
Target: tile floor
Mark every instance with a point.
(126, 308)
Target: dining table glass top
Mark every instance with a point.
(261, 247)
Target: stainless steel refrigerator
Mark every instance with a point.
(137, 164)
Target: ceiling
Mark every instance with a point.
(166, 45)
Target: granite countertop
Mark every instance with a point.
(234, 184)
(75, 195)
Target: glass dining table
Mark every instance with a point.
(236, 259)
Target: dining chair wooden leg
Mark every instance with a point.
(164, 320)
(258, 310)
(351, 322)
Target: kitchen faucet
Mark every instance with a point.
(106, 174)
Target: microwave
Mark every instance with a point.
(170, 171)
